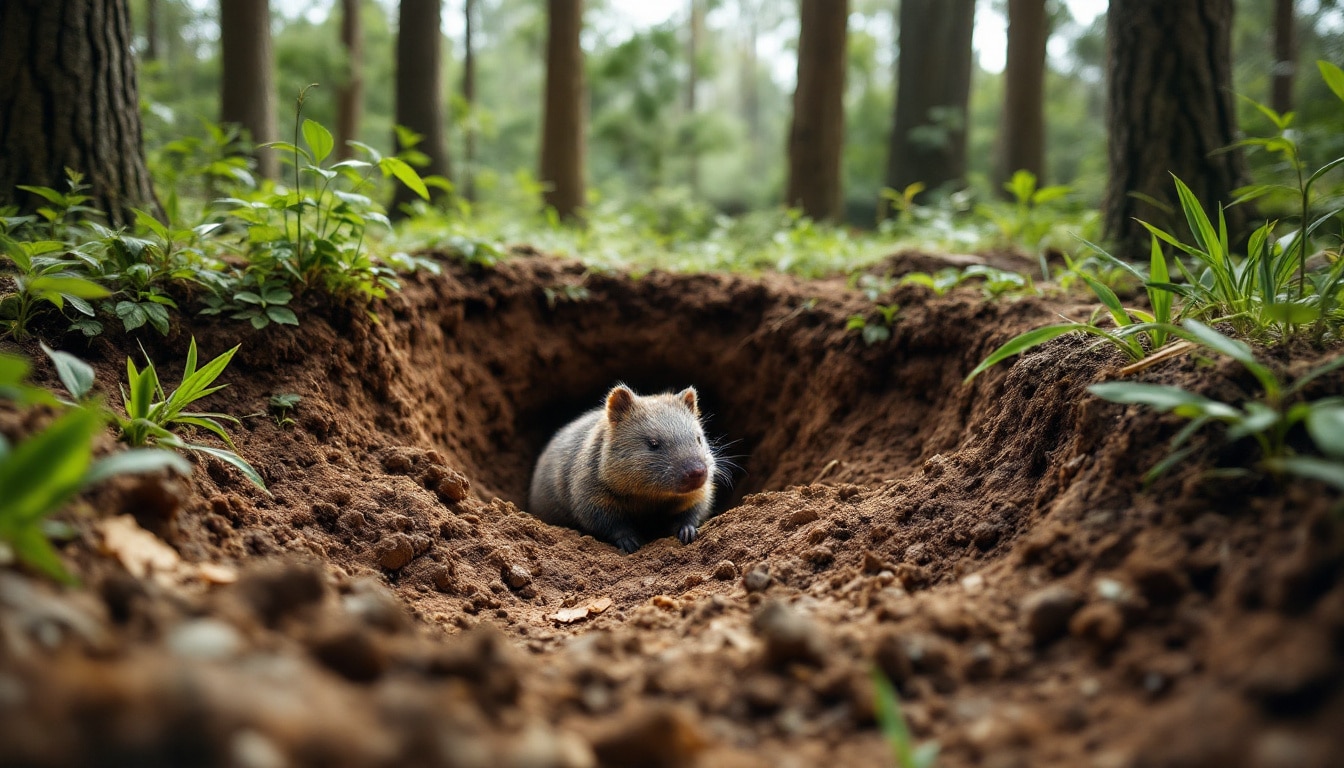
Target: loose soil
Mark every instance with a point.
(990, 548)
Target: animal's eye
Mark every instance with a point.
(653, 443)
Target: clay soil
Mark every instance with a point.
(990, 548)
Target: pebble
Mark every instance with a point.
(757, 579)
(1047, 611)
(789, 635)
(516, 576)
(205, 640)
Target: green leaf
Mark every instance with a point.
(75, 374)
(1325, 424)
(1293, 313)
(33, 550)
(43, 472)
(48, 286)
(152, 224)
(1311, 468)
(1334, 77)
(1162, 398)
(132, 315)
(46, 193)
(406, 174)
(319, 140)
(282, 315)
(1108, 298)
(233, 459)
(1237, 350)
(136, 461)
(210, 425)
(1022, 343)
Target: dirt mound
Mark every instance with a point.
(988, 547)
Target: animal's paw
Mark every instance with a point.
(627, 544)
(688, 532)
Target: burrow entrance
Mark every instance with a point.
(495, 367)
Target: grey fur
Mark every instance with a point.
(601, 474)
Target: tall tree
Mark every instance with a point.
(469, 97)
(1170, 111)
(69, 99)
(420, 86)
(816, 139)
(151, 30)
(694, 44)
(1022, 140)
(562, 141)
(247, 88)
(933, 87)
(1285, 56)
(350, 93)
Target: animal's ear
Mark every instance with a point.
(620, 400)
(688, 397)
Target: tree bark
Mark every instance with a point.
(817, 136)
(1285, 56)
(562, 136)
(1022, 143)
(69, 99)
(928, 137)
(1170, 111)
(247, 92)
(350, 94)
(469, 96)
(420, 87)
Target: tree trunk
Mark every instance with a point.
(151, 30)
(1022, 143)
(751, 92)
(562, 140)
(350, 94)
(693, 46)
(1285, 56)
(469, 96)
(247, 93)
(816, 138)
(68, 99)
(420, 86)
(928, 137)
(1170, 111)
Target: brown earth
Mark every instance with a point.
(990, 548)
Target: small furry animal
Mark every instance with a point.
(637, 469)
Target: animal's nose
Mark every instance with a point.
(693, 477)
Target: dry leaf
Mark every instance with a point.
(581, 612)
(140, 552)
(213, 573)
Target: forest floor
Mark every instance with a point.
(989, 547)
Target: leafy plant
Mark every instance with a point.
(44, 472)
(878, 330)
(41, 279)
(151, 414)
(1021, 222)
(1268, 420)
(1131, 325)
(281, 405)
(892, 722)
(260, 305)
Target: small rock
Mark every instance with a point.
(453, 487)
(799, 518)
(251, 749)
(789, 635)
(757, 579)
(981, 664)
(659, 738)
(1046, 612)
(375, 605)
(276, 592)
(352, 653)
(1102, 624)
(872, 564)
(516, 576)
(820, 556)
(986, 534)
(394, 552)
(726, 570)
(204, 640)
